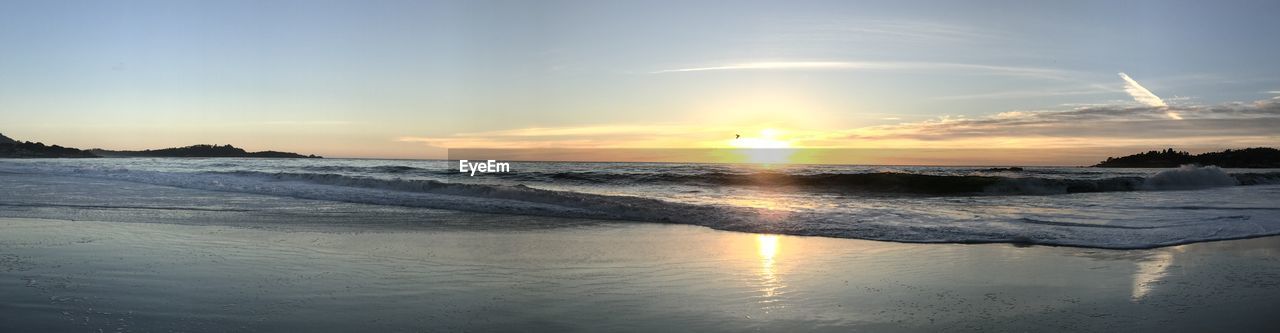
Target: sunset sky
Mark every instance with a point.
(406, 79)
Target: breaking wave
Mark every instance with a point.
(1185, 178)
(1190, 177)
(918, 219)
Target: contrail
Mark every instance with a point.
(1140, 93)
(1144, 96)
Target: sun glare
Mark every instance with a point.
(766, 148)
(768, 138)
(767, 246)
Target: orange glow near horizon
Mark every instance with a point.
(767, 148)
(774, 142)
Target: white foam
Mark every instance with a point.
(1189, 177)
(1105, 220)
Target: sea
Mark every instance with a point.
(1061, 206)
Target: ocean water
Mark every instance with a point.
(1086, 207)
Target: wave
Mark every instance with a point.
(1185, 178)
(388, 169)
(481, 198)
(1190, 177)
(916, 222)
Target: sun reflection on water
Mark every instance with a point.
(1152, 271)
(767, 247)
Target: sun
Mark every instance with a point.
(767, 148)
(768, 138)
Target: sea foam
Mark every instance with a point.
(1190, 177)
(1105, 212)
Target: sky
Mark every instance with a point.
(408, 79)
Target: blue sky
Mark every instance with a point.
(405, 78)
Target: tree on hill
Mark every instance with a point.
(28, 149)
(201, 150)
(1168, 158)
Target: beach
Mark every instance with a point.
(103, 252)
(137, 277)
(628, 166)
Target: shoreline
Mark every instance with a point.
(1113, 220)
(77, 275)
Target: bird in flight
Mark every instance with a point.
(736, 136)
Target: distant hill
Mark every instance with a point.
(198, 151)
(10, 148)
(1169, 158)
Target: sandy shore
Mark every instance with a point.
(59, 275)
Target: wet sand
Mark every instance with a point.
(59, 275)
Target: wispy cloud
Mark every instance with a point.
(1146, 97)
(782, 65)
(1233, 124)
(1226, 125)
(1140, 93)
(874, 65)
(614, 130)
(1030, 94)
(592, 136)
(306, 122)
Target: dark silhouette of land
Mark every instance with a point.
(1169, 158)
(198, 151)
(27, 149)
(10, 148)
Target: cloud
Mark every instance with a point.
(611, 130)
(307, 122)
(1146, 97)
(592, 136)
(874, 65)
(1234, 124)
(1226, 125)
(1029, 94)
(1140, 93)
